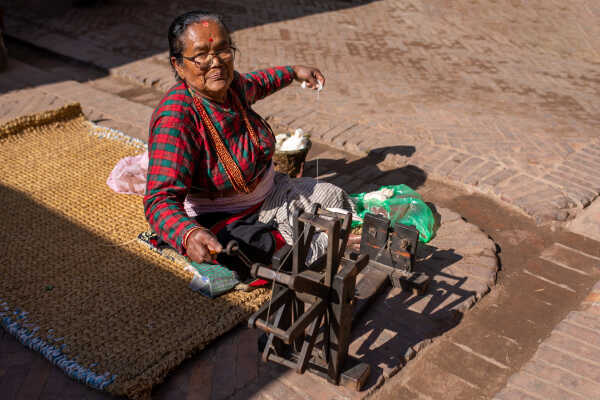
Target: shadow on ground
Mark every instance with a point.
(396, 326)
(107, 20)
(351, 172)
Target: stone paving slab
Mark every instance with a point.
(565, 365)
(587, 223)
(499, 96)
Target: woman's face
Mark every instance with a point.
(202, 41)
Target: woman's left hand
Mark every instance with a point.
(309, 75)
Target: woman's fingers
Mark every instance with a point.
(202, 246)
(198, 252)
(312, 77)
(213, 245)
(312, 80)
(319, 76)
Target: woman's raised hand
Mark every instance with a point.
(202, 246)
(309, 75)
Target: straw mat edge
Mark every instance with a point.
(75, 284)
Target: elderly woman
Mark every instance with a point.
(210, 175)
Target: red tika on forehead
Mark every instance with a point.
(205, 23)
(210, 39)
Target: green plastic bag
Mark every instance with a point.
(404, 205)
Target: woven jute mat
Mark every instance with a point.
(75, 285)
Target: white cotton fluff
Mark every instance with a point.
(298, 141)
(304, 85)
(279, 139)
(380, 195)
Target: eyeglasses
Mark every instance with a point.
(204, 60)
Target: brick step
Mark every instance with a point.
(61, 44)
(34, 90)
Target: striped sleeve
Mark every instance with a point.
(259, 84)
(170, 172)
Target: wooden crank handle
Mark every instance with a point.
(232, 248)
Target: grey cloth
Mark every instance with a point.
(288, 195)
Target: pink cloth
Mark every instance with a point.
(129, 175)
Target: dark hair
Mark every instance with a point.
(179, 26)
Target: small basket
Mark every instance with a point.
(291, 162)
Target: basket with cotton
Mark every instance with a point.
(290, 152)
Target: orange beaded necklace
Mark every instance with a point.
(231, 168)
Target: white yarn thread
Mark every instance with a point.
(304, 85)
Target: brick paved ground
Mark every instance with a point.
(566, 364)
(25, 375)
(29, 89)
(500, 96)
(545, 277)
(588, 222)
(496, 96)
(461, 260)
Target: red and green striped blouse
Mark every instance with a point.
(182, 160)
